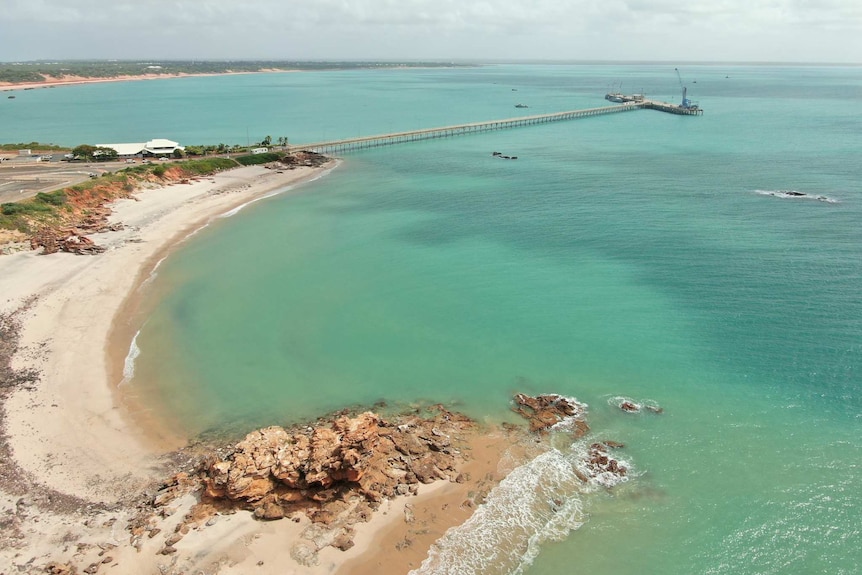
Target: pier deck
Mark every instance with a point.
(362, 142)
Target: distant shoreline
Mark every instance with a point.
(54, 82)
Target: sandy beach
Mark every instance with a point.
(52, 82)
(65, 331)
(68, 433)
(76, 460)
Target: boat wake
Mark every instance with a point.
(794, 195)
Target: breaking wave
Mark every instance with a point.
(795, 195)
(154, 273)
(129, 363)
(538, 502)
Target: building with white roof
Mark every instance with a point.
(155, 147)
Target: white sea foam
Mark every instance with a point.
(537, 502)
(795, 195)
(129, 363)
(153, 274)
(638, 405)
(599, 477)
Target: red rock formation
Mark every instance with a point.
(66, 240)
(629, 406)
(275, 472)
(545, 411)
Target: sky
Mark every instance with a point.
(434, 30)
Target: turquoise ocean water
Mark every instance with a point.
(641, 254)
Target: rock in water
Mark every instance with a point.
(546, 411)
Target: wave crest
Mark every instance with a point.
(539, 501)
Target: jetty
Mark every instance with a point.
(363, 142)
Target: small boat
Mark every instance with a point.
(521, 106)
(503, 156)
(11, 97)
(615, 97)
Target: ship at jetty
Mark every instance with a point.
(621, 98)
(686, 107)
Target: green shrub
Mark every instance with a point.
(12, 209)
(207, 166)
(159, 170)
(19, 208)
(56, 198)
(254, 159)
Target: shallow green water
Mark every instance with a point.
(622, 255)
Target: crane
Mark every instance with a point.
(686, 103)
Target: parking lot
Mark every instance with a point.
(24, 177)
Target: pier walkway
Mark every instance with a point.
(358, 143)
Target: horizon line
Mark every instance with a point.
(474, 61)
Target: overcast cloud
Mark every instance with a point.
(672, 30)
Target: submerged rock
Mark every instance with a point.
(631, 406)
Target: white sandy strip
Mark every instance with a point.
(69, 432)
(52, 82)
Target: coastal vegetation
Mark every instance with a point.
(32, 72)
(59, 220)
(255, 159)
(94, 153)
(65, 207)
(32, 146)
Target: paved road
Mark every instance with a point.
(24, 178)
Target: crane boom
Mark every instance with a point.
(686, 103)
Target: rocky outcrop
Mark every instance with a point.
(303, 158)
(64, 240)
(631, 406)
(337, 472)
(601, 461)
(276, 472)
(545, 411)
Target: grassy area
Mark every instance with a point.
(255, 159)
(25, 216)
(207, 166)
(32, 146)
